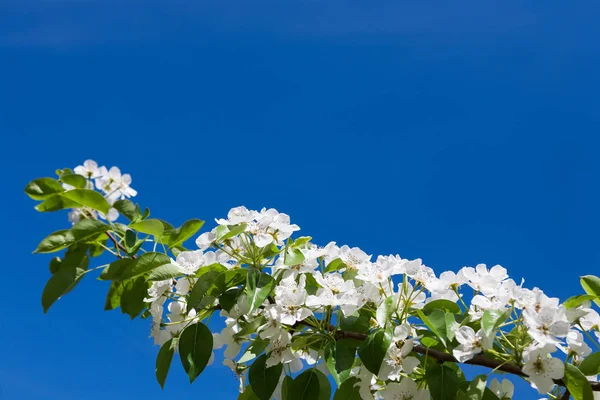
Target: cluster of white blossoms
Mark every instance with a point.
(318, 287)
(110, 182)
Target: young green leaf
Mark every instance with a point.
(165, 272)
(153, 227)
(293, 256)
(195, 348)
(255, 348)
(128, 210)
(87, 229)
(492, 319)
(591, 365)
(75, 180)
(54, 242)
(259, 286)
(264, 379)
(144, 263)
(436, 321)
(576, 301)
(184, 232)
(451, 325)
(442, 304)
(591, 285)
(335, 265)
(40, 189)
(224, 232)
(385, 310)
(577, 383)
(56, 202)
(88, 198)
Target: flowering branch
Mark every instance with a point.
(288, 304)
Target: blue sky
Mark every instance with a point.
(459, 133)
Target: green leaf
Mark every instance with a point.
(262, 379)
(293, 257)
(442, 304)
(88, 198)
(55, 265)
(133, 295)
(248, 394)
(255, 348)
(202, 286)
(347, 391)
(228, 279)
(335, 265)
(87, 229)
(70, 272)
(258, 287)
(385, 310)
(324, 386)
(492, 319)
(451, 325)
(144, 263)
(228, 299)
(357, 322)
(130, 239)
(373, 350)
(591, 365)
(306, 386)
(576, 301)
(227, 232)
(115, 269)
(286, 386)
(113, 297)
(250, 327)
(339, 359)
(591, 285)
(577, 383)
(75, 180)
(195, 348)
(40, 189)
(153, 227)
(163, 361)
(436, 321)
(476, 389)
(56, 202)
(443, 382)
(128, 209)
(80, 232)
(54, 242)
(184, 232)
(301, 241)
(165, 272)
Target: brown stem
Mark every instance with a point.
(566, 395)
(117, 244)
(446, 357)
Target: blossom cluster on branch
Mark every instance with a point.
(299, 317)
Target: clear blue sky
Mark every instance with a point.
(460, 133)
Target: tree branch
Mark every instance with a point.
(117, 244)
(478, 359)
